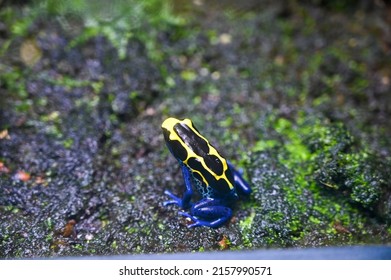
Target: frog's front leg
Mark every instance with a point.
(240, 183)
(208, 212)
(183, 202)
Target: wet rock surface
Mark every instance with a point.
(298, 96)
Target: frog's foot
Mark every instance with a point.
(240, 183)
(197, 222)
(174, 199)
(204, 223)
(208, 213)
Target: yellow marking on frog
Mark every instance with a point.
(169, 124)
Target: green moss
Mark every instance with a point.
(119, 26)
(327, 153)
(69, 82)
(188, 75)
(68, 143)
(358, 173)
(12, 79)
(114, 245)
(331, 176)
(263, 145)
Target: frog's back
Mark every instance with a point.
(195, 152)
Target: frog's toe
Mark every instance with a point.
(169, 202)
(201, 223)
(174, 199)
(195, 223)
(187, 215)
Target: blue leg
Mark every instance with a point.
(240, 183)
(183, 202)
(209, 213)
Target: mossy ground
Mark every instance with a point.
(297, 95)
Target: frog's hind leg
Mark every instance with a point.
(183, 202)
(208, 212)
(240, 183)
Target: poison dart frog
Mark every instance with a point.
(204, 170)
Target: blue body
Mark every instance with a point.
(213, 210)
